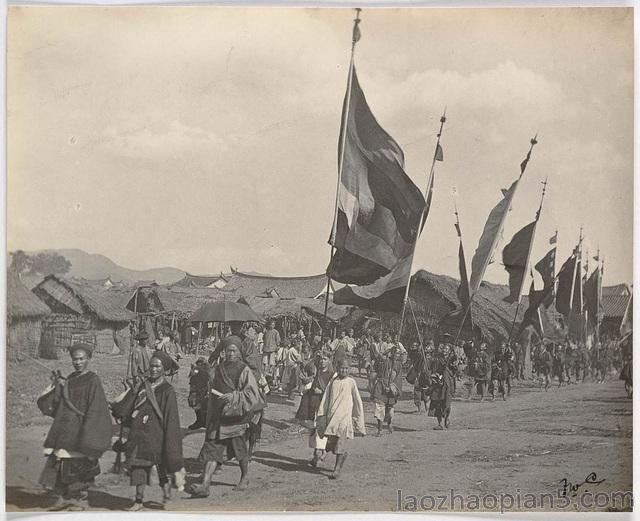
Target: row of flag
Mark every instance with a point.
(380, 213)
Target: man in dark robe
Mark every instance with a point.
(81, 430)
(234, 401)
(251, 357)
(443, 385)
(482, 370)
(310, 402)
(199, 392)
(154, 438)
(422, 361)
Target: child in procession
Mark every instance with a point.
(340, 409)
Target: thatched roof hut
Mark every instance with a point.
(65, 296)
(24, 318)
(434, 300)
(83, 312)
(22, 303)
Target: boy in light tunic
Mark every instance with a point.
(340, 409)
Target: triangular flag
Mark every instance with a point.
(439, 154)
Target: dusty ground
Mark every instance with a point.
(520, 448)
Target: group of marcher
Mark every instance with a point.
(572, 363)
(228, 394)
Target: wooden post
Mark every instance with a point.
(198, 340)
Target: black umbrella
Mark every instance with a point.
(224, 311)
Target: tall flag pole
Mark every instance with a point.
(378, 210)
(576, 274)
(516, 263)
(585, 309)
(493, 228)
(593, 297)
(355, 37)
(491, 234)
(599, 312)
(437, 156)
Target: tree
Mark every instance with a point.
(49, 263)
(20, 261)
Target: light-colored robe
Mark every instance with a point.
(341, 408)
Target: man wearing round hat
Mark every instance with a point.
(80, 433)
(154, 437)
(232, 406)
(249, 356)
(248, 349)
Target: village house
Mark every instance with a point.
(82, 312)
(25, 312)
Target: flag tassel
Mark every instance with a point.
(345, 116)
(437, 156)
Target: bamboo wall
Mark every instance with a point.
(23, 337)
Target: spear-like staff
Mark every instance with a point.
(355, 37)
(437, 156)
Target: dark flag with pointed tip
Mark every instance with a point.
(564, 293)
(537, 297)
(546, 267)
(592, 298)
(439, 155)
(515, 258)
(464, 293)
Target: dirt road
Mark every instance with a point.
(521, 448)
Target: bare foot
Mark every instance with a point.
(242, 485)
(199, 491)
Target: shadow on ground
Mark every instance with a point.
(279, 461)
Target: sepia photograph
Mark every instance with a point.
(318, 259)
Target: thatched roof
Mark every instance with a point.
(81, 298)
(269, 307)
(618, 289)
(21, 303)
(489, 311)
(187, 300)
(246, 285)
(614, 306)
(163, 299)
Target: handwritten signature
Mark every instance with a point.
(569, 488)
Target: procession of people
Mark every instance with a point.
(230, 401)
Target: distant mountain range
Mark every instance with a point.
(95, 266)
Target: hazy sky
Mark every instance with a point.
(199, 137)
